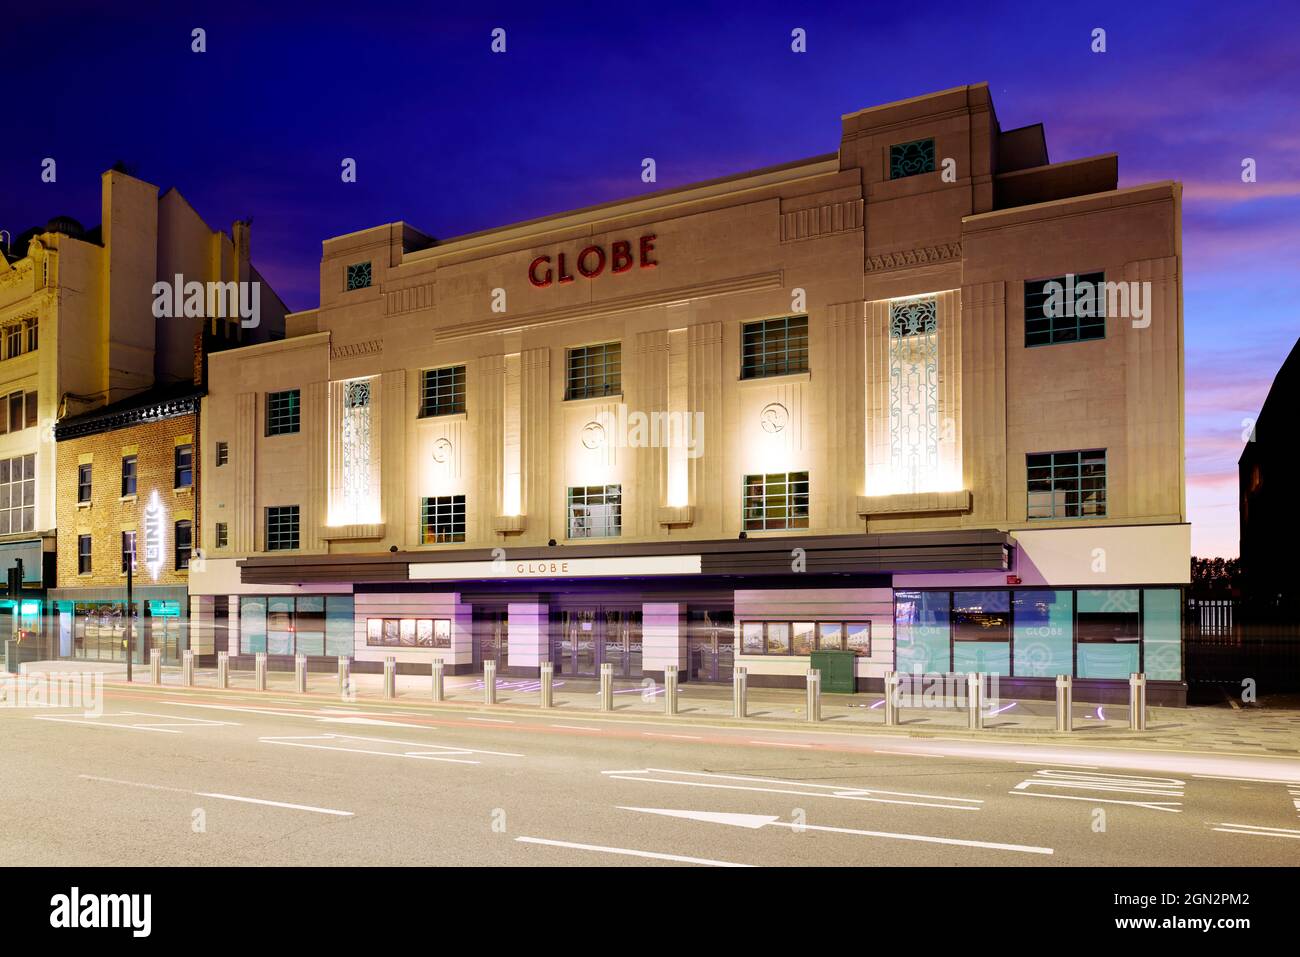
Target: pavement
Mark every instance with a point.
(177, 775)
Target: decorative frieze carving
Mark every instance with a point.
(818, 221)
(926, 255)
(353, 349)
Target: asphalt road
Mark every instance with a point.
(193, 777)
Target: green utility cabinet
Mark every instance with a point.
(837, 671)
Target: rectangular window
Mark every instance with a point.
(922, 631)
(285, 625)
(83, 555)
(774, 347)
(596, 511)
(804, 637)
(442, 519)
(1162, 629)
(442, 391)
(1044, 633)
(911, 159)
(1066, 484)
(409, 632)
(32, 329)
(358, 276)
(18, 494)
(128, 551)
(184, 472)
(309, 625)
(16, 413)
(83, 482)
(128, 475)
(594, 371)
(223, 453)
(281, 527)
(30, 410)
(1066, 308)
(1108, 634)
(776, 501)
(282, 412)
(981, 632)
(13, 340)
(222, 535)
(184, 543)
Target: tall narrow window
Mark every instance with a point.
(223, 535)
(223, 453)
(184, 470)
(913, 393)
(184, 543)
(30, 410)
(358, 503)
(18, 494)
(128, 475)
(83, 555)
(83, 482)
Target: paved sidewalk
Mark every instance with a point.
(1244, 730)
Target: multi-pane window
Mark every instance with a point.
(778, 500)
(184, 471)
(306, 624)
(411, 632)
(13, 340)
(223, 534)
(1067, 484)
(281, 527)
(128, 475)
(31, 333)
(283, 412)
(17, 411)
(594, 371)
(18, 494)
(442, 391)
(804, 637)
(358, 275)
(596, 511)
(128, 551)
(20, 337)
(442, 519)
(84, 566)
(83, 482)
(1066, 308)
(912, 158)
(184, 543)
(223, 453)
(774, 347)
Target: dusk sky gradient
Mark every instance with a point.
(452, 138)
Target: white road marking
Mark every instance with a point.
(628, 852)
(782, 744)
(798, 788)
(103, 724)
(490, 720)
(292, 807)
(419, 756)
(1258, 830)
(1102, 781)
(421, 744)
(755, 821)
(661, 734)
(134, 784)
(1060, 764)
(574, 727)
(914, 754)
(1220, 777)
(1172, 806)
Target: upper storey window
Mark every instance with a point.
(442, 391)
(20, 338)
(774, 347)
(1069, 308)
(358, 276)
(911, 159)
(594, 371)
(283, 411)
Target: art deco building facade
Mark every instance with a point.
(829, 404)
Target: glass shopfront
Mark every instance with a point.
(1106, 633)
(314, 625)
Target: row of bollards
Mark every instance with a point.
(893, 703)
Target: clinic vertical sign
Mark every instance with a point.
(154, 525)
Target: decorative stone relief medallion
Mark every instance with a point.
(593, 435)
(773, 418)
(442, 451)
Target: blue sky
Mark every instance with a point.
(452, 138)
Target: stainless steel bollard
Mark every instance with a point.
(187, 669)
(670, 689)
(1137, 702)
(1064, 703)
(390, 677)
(223, 669)
(892, 698)
(739, 692)
(607, 687)
(300, 673)
(345, 676)
(438, 669)
(975, 701)
(489, 682)
(155, 667)
(814, 694)
(259, 671)
(548, 684)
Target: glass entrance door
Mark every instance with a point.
(491, 637)
(711, 644)
(582, 639)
